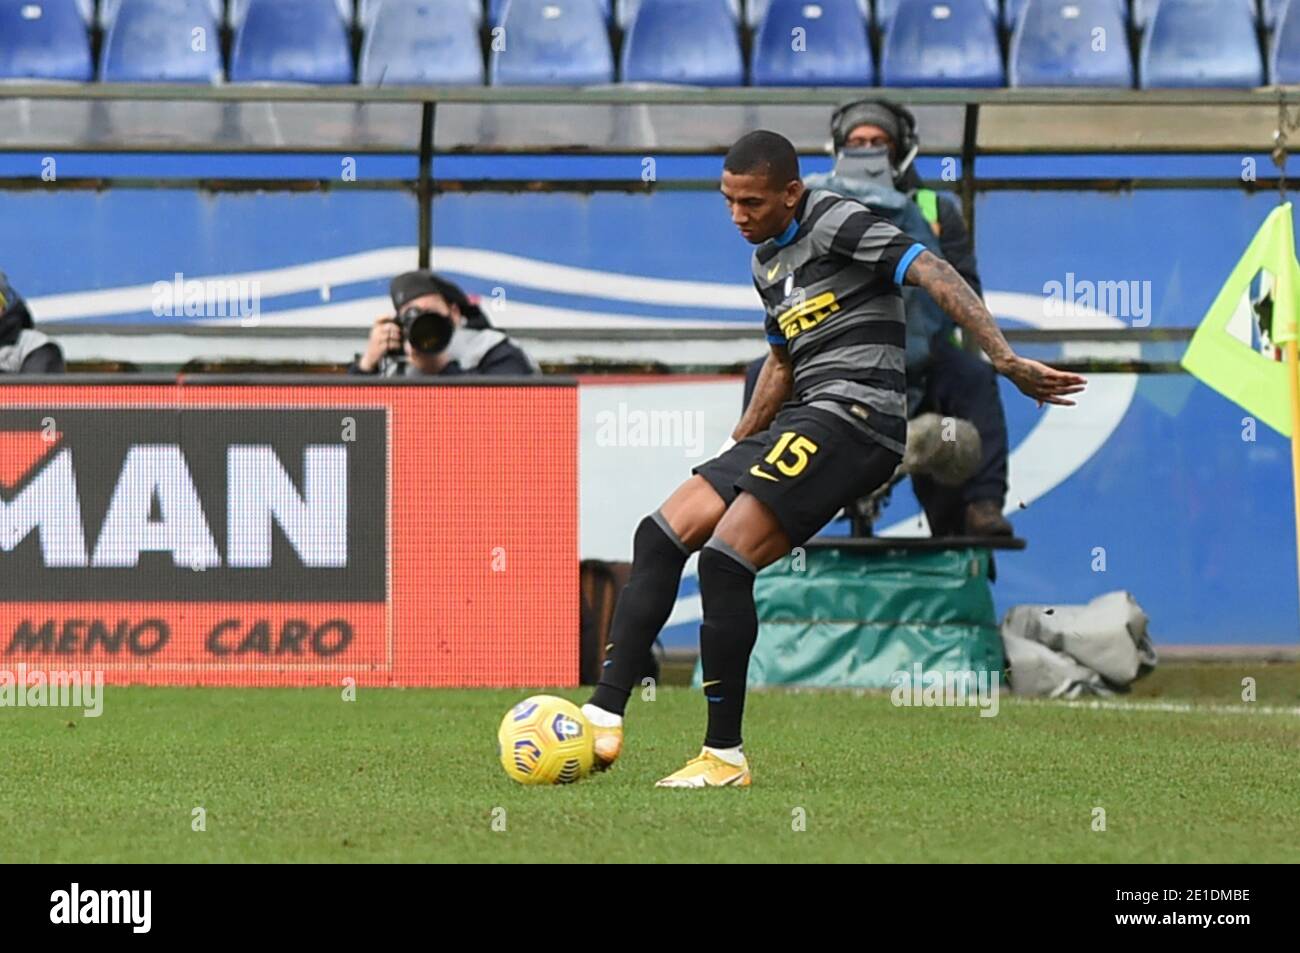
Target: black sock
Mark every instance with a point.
(727, 637)
(644, 605)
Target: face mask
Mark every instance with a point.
(866, 165)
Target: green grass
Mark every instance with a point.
(411, 775)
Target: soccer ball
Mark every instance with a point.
(545, 740)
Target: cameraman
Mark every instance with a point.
(437, 330)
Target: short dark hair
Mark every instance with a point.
(764, 152)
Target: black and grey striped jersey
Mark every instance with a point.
(830, 286)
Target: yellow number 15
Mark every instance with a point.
(797, 447)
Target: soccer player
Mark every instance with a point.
(828, 272)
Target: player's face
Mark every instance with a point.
(760, 209)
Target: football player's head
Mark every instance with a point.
(760, 181)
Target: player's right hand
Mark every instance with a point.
(1044, 384)
(385, 336)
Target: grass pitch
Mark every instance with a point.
(411, 775)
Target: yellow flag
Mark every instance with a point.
(1222, 353)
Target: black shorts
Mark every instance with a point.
(805, 467)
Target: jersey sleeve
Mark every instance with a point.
(852, 230)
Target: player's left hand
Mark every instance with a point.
(1044, 384)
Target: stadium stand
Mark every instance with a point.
(683, 41)
(553, 42)
(1210, 43)
(974, 43)
(835, 49)
(154, 41)
(410, 42)
(941, 43)
(44, 40)
(1053, 45)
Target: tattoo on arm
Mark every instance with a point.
(951, 293)
(775, 381)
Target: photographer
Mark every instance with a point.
(23, 349)
(437, 330)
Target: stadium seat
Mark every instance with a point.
(366, 11)
(835, 49)
(1011, 10)
(1144, 10)
(1284, 50)
(238, 10)
(1201, 43)
(885, 11)
(108, 10)
(152, 41)
(756, 11)
(415, 42)
(626, 11)
(291, 41)
(553, 42)
(497, 10)
(44, 39)
(683, 41)
(941, 43)
(1053, 45)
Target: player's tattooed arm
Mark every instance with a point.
(951, 293)
(775, 382)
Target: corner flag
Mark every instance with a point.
(1223, 353)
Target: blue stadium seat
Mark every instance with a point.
(108, 10)
(1284, 50)
(626, 11)
(1201, 43)
(415, 42)
(1144, 10)
(291, 41)
(238, 9)
(683, 41)
(366, 11)
(885, 11)
(497, 10)
(835, 50)
(1011, 10)
(553, 42)
(44, 39)
(1053, 45)
(941, 43)
(152, 41)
